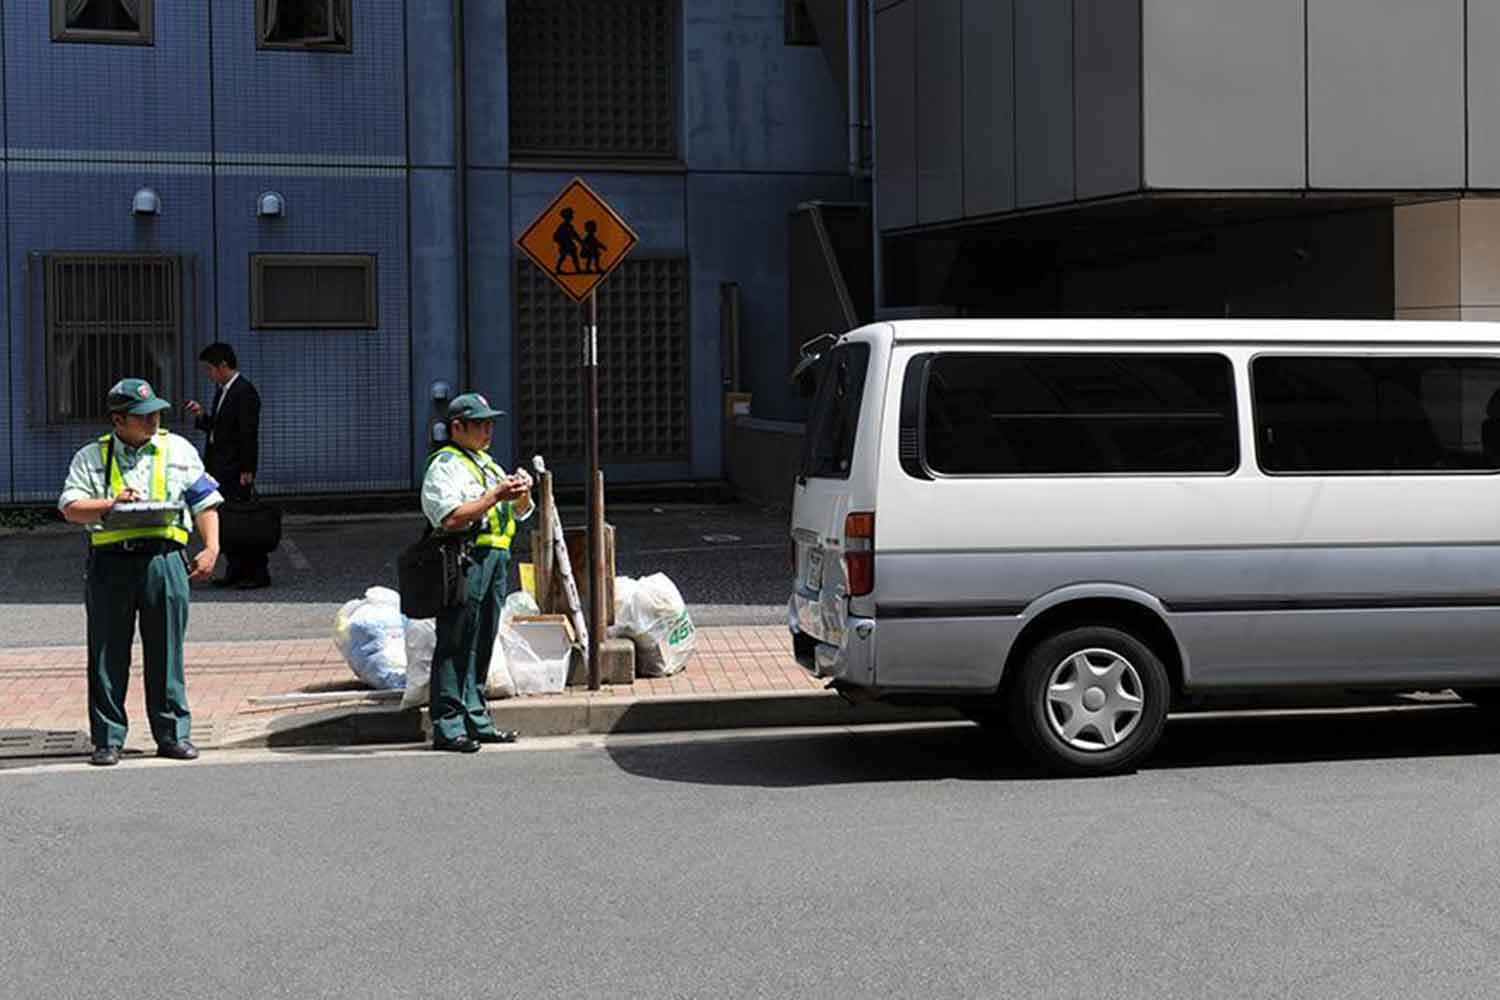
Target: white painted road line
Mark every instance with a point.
(299, 561)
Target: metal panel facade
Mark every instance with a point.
(896, 115)
(940, 140)
(989, 102)
(1107, 82)
(1044, 102)
(1385, 94)
(1225, 94)
(1484, 93)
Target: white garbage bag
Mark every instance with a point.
(371, 635)
(421, 644)
(533, 669)
(499, 684)
(654, 609)
(518, 602)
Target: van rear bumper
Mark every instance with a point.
(851, 662)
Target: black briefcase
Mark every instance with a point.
(249, 525)
(432, 574)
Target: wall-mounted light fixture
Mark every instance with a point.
(146, 202)
(270, 205)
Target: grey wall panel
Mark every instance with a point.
(1107, 102)
(1225, 94)
(989, 107)
(1385, 93)
(896, 113)
(1044, 102)
(1484, 94)
(940, 139)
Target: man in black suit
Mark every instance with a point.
(232, 423)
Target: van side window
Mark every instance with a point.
(829, 450)
(1376, 414)
(1039, 414)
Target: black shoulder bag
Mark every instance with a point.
(433, 573)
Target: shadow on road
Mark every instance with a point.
(969, 753)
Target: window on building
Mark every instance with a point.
(799, 24)
(1377, 415)
(108, 317)
(127, 22)
(312, 291)
(304, 24)
(1085, 413)
(643, 364)
(591, 79)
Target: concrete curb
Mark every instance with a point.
(567, 715)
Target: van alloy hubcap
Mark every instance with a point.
(1094, 699)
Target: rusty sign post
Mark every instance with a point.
(554, 242)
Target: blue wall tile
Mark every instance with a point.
(285, 102)
(435, 328)
(752, 102)
(724, 248)
(487, 67)
(429, 83)
(78, 209)
(491, 347)
(336, 403)
(129, 98)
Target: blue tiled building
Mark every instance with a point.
(390, 268)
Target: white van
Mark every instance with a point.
(1070, 525)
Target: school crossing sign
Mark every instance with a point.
(578, 240)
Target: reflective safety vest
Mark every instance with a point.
(499, 520)
(158, 492)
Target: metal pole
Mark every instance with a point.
(595, 541)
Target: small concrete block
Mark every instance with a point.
(617, 661)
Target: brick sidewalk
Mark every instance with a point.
(44, 692)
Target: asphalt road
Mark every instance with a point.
(1347, 855)
(730, 561)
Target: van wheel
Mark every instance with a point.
(1090, 700)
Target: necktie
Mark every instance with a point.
(218, 398)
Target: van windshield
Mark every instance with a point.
(829, 450)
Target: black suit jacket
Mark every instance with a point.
(234, 445)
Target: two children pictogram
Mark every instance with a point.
(572, 246)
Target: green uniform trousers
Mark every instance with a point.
(465, 639)
(120, 586)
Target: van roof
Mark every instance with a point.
(1180, 331)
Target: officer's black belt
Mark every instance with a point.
(140, 547)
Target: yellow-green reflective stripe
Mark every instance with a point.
(492, 516)
(158, 492)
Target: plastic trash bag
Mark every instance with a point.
(654, 609)
(421, 644)
(499, 684)
(371, 635)
(535, 671)
(518, 602)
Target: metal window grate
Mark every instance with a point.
(313, 291)
(593, 79)
(108, 317)
(643, 364)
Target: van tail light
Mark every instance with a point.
(859, 553)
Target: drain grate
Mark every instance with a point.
(42, 742)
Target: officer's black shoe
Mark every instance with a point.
(461, 745)
(105, 756)
(498, 736)
(181, 750)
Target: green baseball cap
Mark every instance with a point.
(472, 406)
(135, 396)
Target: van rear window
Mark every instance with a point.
(1083, 413)
(829, 450)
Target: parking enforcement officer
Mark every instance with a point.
(140, 570)
(465, 492)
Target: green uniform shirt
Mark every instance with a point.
(450, 483)
(186, 480)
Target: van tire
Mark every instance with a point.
(1117, 721)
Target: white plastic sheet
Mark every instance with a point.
(421, 643)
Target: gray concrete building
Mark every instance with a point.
(1322, 158)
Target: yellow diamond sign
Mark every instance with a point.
(578, 240)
